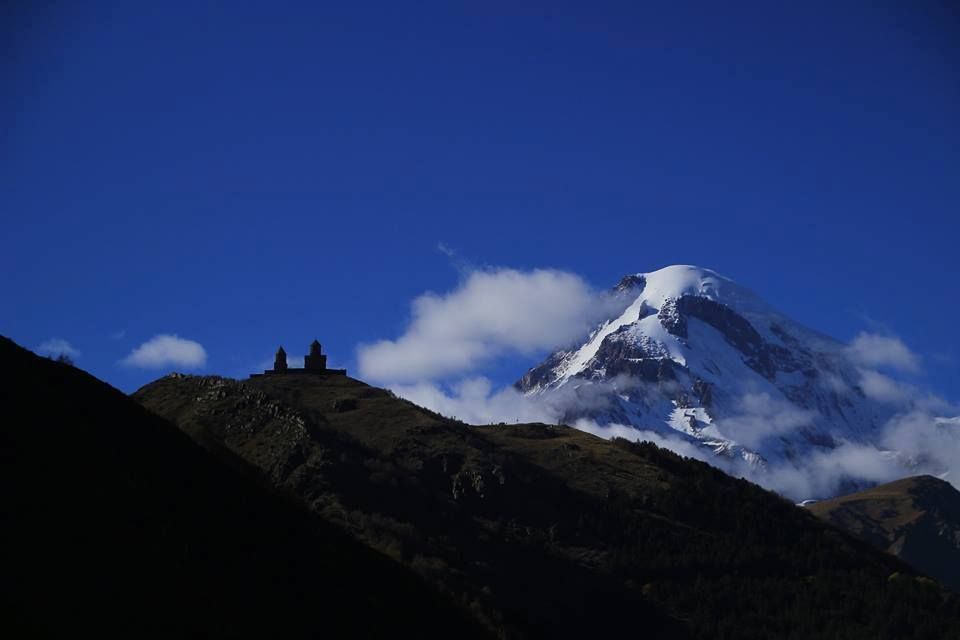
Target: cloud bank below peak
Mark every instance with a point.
(491, 313)
(915, 440)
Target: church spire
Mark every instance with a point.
(280, 362)
(315, 361)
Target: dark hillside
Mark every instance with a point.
(550, 532)
(426, 491)
(116, 524)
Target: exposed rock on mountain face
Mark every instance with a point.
(916, 519)
(696, 355)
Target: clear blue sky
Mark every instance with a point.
(242, 175)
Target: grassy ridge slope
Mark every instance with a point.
(547, 531)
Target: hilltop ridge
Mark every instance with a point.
(548, 531)
(116, 524)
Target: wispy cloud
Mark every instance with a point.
(883, 351)
(475, 401)
(57, 347)
(445, 250)
(885, 389)
(166, 350)
(463, 266)
(760, 416)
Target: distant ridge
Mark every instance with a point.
(916, 519)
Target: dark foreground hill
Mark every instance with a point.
(916, 519)
(115, 523)
(547, 531)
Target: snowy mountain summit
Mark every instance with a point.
(699, 356)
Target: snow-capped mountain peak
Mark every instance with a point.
(695, 353)
(679, 280)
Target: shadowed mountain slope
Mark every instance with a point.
(916, 519)
(116, 524)
(547, 531)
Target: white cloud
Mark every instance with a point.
(475, 402)
(761, 416)
(911, 443)
(875, 350)
(167, 350)
(835, 383)
(825, 473)
(884, 388)
(490, 313)
(58, 347)
(928, 441)
(677, 444)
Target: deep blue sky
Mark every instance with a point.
(245, 175)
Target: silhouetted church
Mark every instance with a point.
(314, 362)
